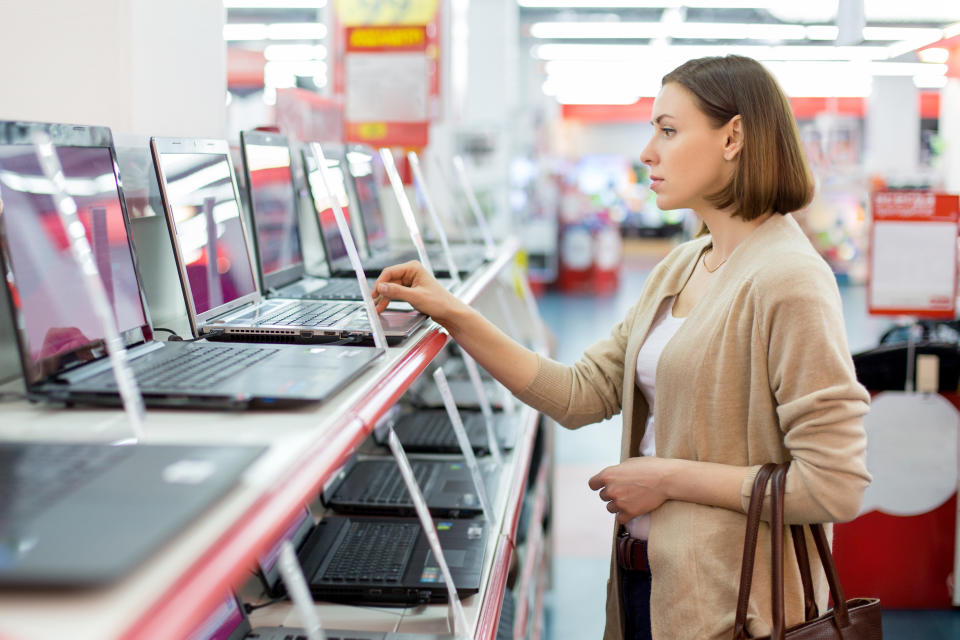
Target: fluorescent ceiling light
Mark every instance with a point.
(238, 31)
(934, 54)
(274, 4)
(281, 52)
(822, 32)
(929, 82)
(297, 31)
(278, 31)
(902, 33)
(650, 30)
(681, 53)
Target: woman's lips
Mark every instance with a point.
(655, 182)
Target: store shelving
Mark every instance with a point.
(171, 593)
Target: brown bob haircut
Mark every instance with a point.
(772, 172)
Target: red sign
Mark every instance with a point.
(913, 254)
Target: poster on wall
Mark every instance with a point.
(913, 254)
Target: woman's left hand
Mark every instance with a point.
(633, 487)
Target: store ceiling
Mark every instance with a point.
(615, 51)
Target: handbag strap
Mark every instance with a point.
(810, 609)
(840, 613)
(750, 549)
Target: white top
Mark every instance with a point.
(665, 325)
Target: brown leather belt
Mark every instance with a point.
(631, 553)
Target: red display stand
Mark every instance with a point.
(906, 558)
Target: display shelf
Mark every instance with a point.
(534, 544)
(173, 591)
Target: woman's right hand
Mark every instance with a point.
(412, 283)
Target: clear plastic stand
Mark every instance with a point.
(460, 219)
(464, 441)
(84, 256)
(456, 615)
(296, 585)
(540, 329)
(485, 407)
(406, 210)
(379, 338)
(474, 205)
(421, 186)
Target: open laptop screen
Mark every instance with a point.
(274, 206)
(209, 234)
(227, 622)
(59, 324)
(332, 242)
(362, 167)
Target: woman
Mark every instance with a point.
(736, 343)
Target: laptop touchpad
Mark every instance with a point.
(457, 486)
(455, 558)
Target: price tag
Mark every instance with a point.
(296, 585)
(485, 407)
(455, 611)
(464, 441)
(379, 338)
(406, 210)
(84, 256)
(474, 206)
(421, 186)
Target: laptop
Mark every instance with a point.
(230, 622)
(222, 295)
(364, 167)
(273, 207)
(379, 560)
(60, 337)
(374, 486)
(334, 250)
(78, 515)
(430, 431)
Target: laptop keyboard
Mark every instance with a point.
(434, 429)
(307, 315)
(195, 367)
(386, 486)
(36, 475)
(337, 290)
(373, 552)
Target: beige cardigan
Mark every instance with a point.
(760, 371)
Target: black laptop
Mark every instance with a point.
(223, 297)
(273, 208)
(430, 431)
(81, 515)
(365, 168)
(229, 622)
(374, 486)
(380, 560)
(60, 337)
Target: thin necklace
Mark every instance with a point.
(709, 270)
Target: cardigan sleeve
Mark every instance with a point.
(588, 391)
(820, 404)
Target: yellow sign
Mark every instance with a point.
(387, 38)
(372, 130)
(355, 13)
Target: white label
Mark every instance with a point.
(406, 211)
(485, 407)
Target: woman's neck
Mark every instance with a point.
(728, 231)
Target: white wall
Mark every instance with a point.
(138, 66)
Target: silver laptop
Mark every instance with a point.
(222, 295)
(60, 337)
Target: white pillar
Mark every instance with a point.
(137, 66)
(949, 131)
(893, 129)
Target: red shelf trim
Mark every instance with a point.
(190, 598)
(493, 594)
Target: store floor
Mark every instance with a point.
(581, 526)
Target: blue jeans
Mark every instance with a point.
(635, 587)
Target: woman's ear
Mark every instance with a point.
(733, 140)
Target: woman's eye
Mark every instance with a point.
(667, 131)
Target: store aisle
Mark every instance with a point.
(582, 526)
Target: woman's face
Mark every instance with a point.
(686, 155)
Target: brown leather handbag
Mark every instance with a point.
(855, 619)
